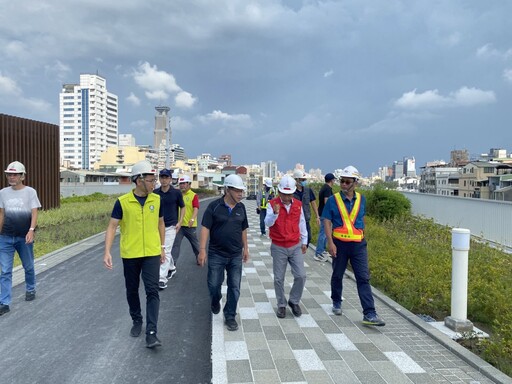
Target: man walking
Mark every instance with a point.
(263, 198)
(140, 216)
(189, 224)
(171, 201)
(225, 223)
(18, 220)
(305, 195)
(344, 220)
(287, 230)
(323, 195)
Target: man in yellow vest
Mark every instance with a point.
(344, 222)
(140, 216)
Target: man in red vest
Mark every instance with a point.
(289, 235)
(343, 216)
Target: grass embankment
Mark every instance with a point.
(411, 262)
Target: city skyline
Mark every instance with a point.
(324, 83)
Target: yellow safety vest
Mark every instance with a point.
(347, 232)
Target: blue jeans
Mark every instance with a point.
(322, 239)
(233, 266)
(9, 245)
(358, 256)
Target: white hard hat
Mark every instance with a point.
(287, 185)
(234, 181)
(268, 182)
(351, 172)
(184, 179)
(175, 175)
(299, 174)
(15, 167)
(143, 167)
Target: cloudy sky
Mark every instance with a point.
(322, 83)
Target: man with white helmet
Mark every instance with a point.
(140, 216)
(18, 220)
(263, 198)
(307, 197)
(188, 228)
(287, 229)
(225, 223)
(344, 220)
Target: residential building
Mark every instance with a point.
(126, 140)
(88, 121)
(474, 179)
(116, 159)
(269, 169)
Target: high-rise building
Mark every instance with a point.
(126, 140)
(269, 169)
(161, 126)
(409, 167)
(88, 121)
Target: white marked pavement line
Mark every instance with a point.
(219, 368)
(404, 362)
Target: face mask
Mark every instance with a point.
(303, 183)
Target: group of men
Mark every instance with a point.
(153, 223)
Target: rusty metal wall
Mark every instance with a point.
(36, 145)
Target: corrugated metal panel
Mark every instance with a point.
(36, 145)
(490, 220)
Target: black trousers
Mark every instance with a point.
(149, 268)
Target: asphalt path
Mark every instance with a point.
(77, 329)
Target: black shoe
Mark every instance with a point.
(297, 312)
(136, 330)
(4, 309)
(152, 341)
(162, 285)
(231, 324)
(30, 295)
(281, 312)
(216, 308)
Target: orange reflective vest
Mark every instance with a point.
(347, 232)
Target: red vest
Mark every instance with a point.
(285, 232)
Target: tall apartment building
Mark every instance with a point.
(88, 121)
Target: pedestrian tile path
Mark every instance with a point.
(319, 347)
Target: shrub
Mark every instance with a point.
(386, 204)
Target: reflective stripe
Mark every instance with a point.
(347, 232)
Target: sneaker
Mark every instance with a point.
(216, 308)
(152, 341)
(373, 319)
(319, 257)
(231, 324)
(136, 330)
(171, 273)
(326, 256)
(336, 309)
(30, 295)
(162, 285)
(4, 309)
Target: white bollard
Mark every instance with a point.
(459, 299)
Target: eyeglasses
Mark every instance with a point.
(150, 181)
(345, 181)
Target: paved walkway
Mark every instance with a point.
(318, 347)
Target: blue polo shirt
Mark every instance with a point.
(332, 213)
(226, 226)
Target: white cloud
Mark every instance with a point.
(133, 100)
(160, 85)
(507, 75)
(58, 70)
(184, 100)
(227, 123)
(139, 123)
(329, 73)
(180, 124)
(225, 117)
(8, 86)
(488, 51)
(431, 99)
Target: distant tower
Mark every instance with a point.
(161, 125)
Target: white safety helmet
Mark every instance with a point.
(351, 172)
(184, 179)
(234, 181)
(287, 185)
(299, 174)
(268, 182)
(141, 168)
(15, 167)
